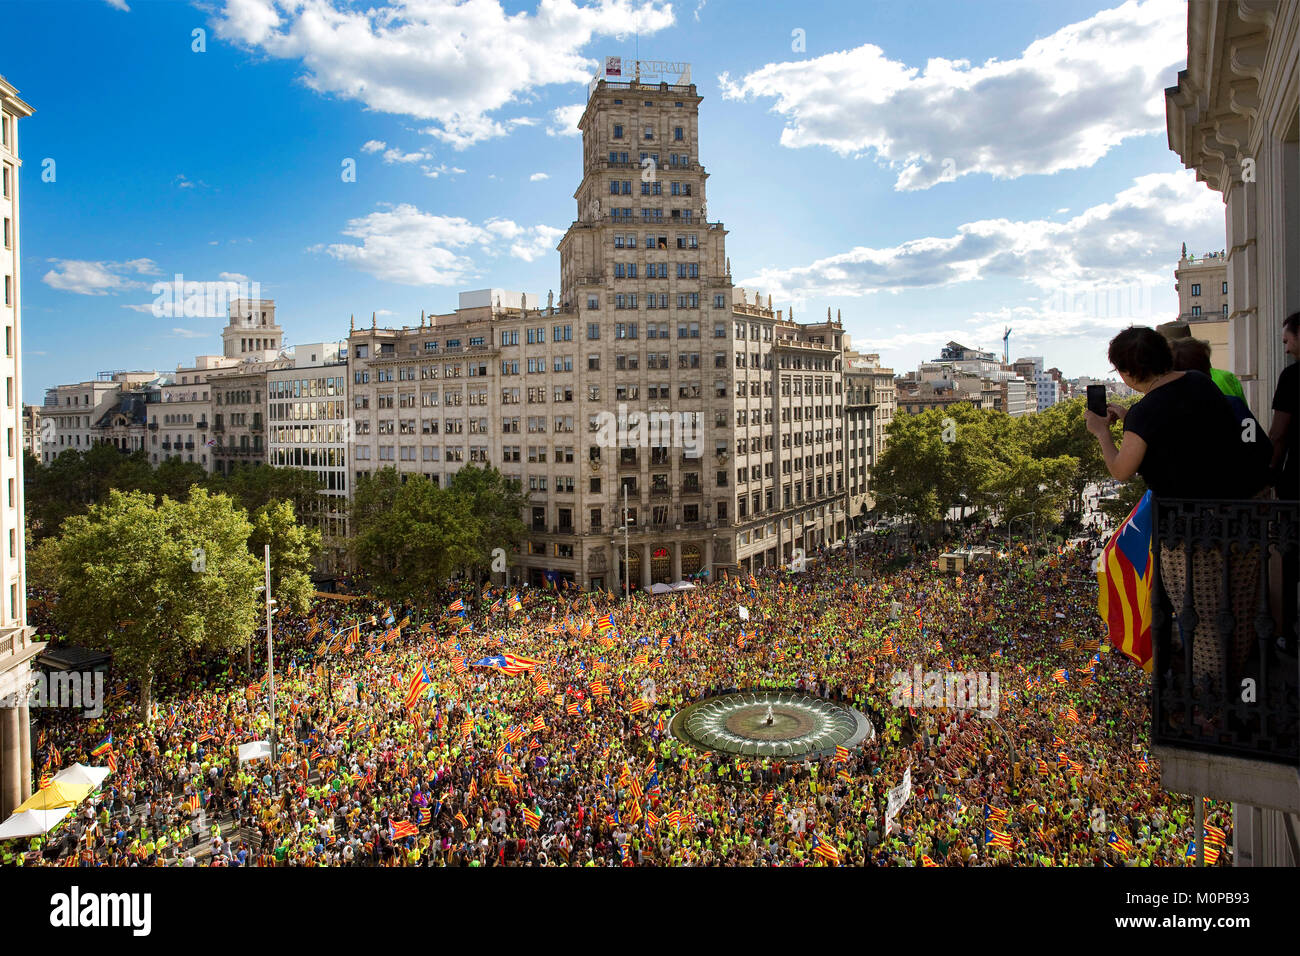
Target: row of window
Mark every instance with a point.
(648, 132)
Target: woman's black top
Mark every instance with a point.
(1195, 446)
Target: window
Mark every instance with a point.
(593, 331)
(618, 132)
(1196, 288)
(1196, 310)
(649, 132)
(1225, 288)
(678, 134)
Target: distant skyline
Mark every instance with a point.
(934, 171)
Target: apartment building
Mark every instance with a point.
(32, 430)
(653, 380)
(16, 647)
(308, 425)
(77, 410)
(869, 404)
(180, 424)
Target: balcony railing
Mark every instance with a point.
(1222, 683)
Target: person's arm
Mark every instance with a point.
(1278, 429)
(1123, 462)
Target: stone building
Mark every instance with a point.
(720, 418)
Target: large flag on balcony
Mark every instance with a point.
(1124, 584)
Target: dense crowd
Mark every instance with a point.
(526, 730)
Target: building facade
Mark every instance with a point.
(1234, 118)
(308, 425)
(1202, 285)
(653, 381)
(180, 425)
(32, 431)
(16, 647)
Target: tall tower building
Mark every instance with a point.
(652, 385)
(251, 333)
(16, 651)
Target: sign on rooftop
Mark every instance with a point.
(642, 71)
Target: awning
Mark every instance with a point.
(55, 796)
(79, 773)
(254, 750)
(30, 823)
(660, 589)
(683, 586)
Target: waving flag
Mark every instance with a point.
(417, 686)
(998, 839)
(456, 607)
(825, 851)
(403, 829)
(531, 819)
(105, 746)
(1124, 584)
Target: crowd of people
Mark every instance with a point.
(533, 727)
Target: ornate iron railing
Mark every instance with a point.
(1225, 678)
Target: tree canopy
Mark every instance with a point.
(156, 582)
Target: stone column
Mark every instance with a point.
(25, 742)
(708, 556)
(10, 762)
(617, 566)
(677, 561)
(645, 564)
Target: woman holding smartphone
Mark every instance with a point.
(1184, 440)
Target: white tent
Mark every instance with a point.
(32, 823)
(683, 586)
(743, 612)
(80, 773)
(254, 750)
(660, 589)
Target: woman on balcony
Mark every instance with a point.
(1184, 440)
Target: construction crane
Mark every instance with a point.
(1006, 346)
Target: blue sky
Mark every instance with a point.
(933, 170)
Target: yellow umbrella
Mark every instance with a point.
(56, 795)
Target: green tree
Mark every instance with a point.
(910, 475)
(498, 503)
(174, 478)
(157, 583)
(410, 548)
(256, 485)
(294, 548)
(1060, 430)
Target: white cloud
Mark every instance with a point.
(442, 169)
(1130, 241)
(373, 145)
(118, 5)
(538, 177)
(1062, 104)
(450, 62)
(392, 156)
(189, 334)
(233, 277)
(564, 120)
(408, 246)
(86, 277)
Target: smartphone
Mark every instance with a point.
(1097, 399)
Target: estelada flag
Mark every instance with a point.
(1124, 584)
